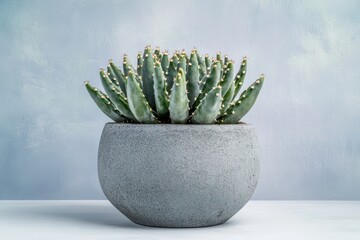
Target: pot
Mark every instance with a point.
(169, 175)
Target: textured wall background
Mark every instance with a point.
(307, 117)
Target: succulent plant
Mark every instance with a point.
(178, 89)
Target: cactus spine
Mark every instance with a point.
(178, 89)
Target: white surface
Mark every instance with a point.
(88, 220)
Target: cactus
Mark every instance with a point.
(179, 103)
(160, 92)
(178, 89)
(137, 101)
(208, 108)
(120, 78)
(116, 96)
(165, 61)
(192, 77)
(148, 76)
(227, 98)
(247, 99)
(240, 76)
(202, 65)
(227, 79)
(171, 74)
(211, 81)
(104, 103)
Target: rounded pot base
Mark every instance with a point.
(177, 225)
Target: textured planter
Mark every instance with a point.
(169, 175)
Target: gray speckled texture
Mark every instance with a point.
(168, 175)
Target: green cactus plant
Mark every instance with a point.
(178, 89)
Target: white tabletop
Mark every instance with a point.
(290, 220)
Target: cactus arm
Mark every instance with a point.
(127, 66)
(227, 99)
(120, 77)
(183, 53)
(148, 76)
(240, 77)
(202, 65)
(209, 107)
(182, 63)
(207, 63)
(179, 103)
(139, 64)
(160, 92)
(202, 82)
(165, 62)
(192, 78)
(226, 60)
(138, 105)
(171, 75)
(210, 82)
(213, 79)
(219, 59)
(112, 77)
(175, 58)
(117, 97)
(104, 104)
(177, 54)
(227, 79)
(243, 105)
(158, 53)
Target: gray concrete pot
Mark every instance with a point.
(168, 175)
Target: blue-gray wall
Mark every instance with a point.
(307, 117)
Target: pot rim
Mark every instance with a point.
(240, 124)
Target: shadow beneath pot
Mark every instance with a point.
(76, 212)
(97, 213)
